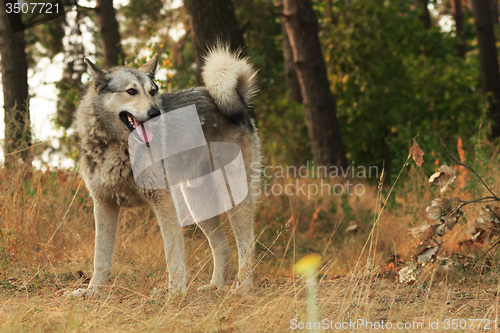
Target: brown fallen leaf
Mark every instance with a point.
(441, 230)
(487, 225)
(439, 209)
(417, 153)
(451, 222)
(444, 177)
(494, 212)
(353, 226)
(408, 275)
(418, 230)
(428, 251)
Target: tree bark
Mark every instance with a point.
(319, 104)
(488, 58)
(15, 88)
(213, 20)
(291, 80)
(424, 14)
(494, 11)
(110, 33)
(458, 14)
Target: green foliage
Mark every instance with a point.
(393, 78)
(183, 58)
(49, 37)
(68, 96)
(70, 91)
(262, 33)
(283, 131)
(141, 15)
(281, 122)
(4, 261)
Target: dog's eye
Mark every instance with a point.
(132, 91)
(152, 92)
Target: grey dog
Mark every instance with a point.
(122, 99)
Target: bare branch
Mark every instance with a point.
(458, 162)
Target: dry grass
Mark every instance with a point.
(47, 235)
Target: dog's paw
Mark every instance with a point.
(178, 283)
(208, 287)
(91, 292)
(175, 289)
(242, 288)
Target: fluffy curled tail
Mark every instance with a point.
(230, 80)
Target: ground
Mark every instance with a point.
(46, 249)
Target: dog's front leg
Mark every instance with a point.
(173, 240)
(106, 223)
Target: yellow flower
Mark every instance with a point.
(308, 265)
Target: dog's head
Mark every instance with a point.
(126, 97)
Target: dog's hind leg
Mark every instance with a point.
(106, 223)
(173, 240)
(220, 251)
(242, 221)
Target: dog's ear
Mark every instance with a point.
(98, 74)
(150, 67)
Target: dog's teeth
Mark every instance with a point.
(131, 120)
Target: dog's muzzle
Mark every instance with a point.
(142, 129)
(153, 113)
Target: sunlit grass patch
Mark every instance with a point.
(47, 225)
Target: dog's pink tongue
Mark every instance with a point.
(143, 130)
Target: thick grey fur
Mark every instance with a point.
(106, 169)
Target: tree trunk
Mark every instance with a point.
(110, 33)
(213, 20)
(488, 58)
(424, 15)
(319, 104)
(458, 14)
(494, 11)
(15, 89)
(291, 80)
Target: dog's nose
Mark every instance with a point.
(153, 113)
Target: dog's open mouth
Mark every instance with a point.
(134, 124)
